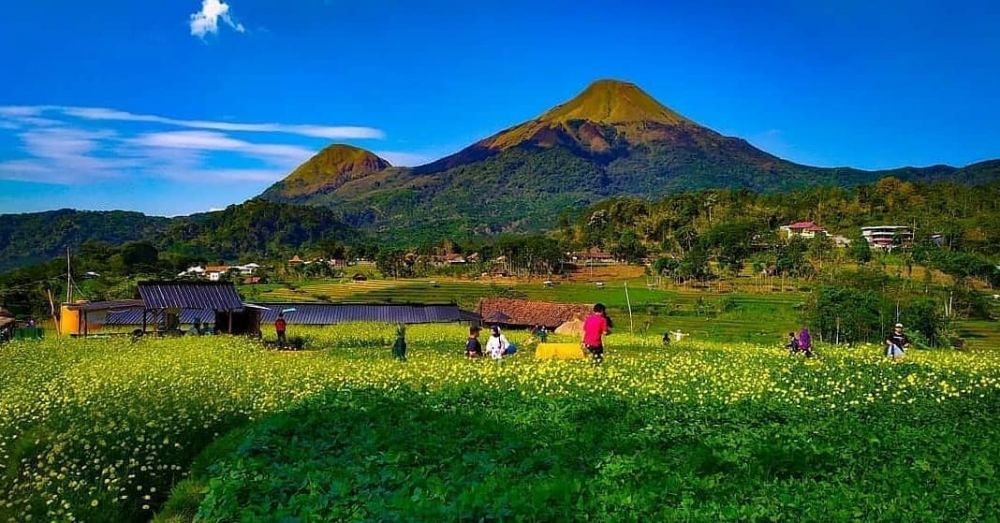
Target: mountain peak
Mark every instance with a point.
(328, 169)
(613, 101)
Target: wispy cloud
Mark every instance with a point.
(68, 150)
(206, 21)
(403, 159)
(315, 131)
(213, 141)
(63, 155)
(72, 145)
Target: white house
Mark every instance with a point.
(887, 237)
(805, 230)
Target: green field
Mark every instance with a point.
(221, 429)
(738, 316)
(759, 317)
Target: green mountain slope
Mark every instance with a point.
(326, 171)
(254, 228)
(613, 139)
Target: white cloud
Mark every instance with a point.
(78, 145)
(64, 155)
(402, 159)
(313, 131)
(213, 141)
(206, 21)
(21, 110)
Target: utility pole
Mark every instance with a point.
(69, 279)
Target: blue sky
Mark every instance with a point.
(178, 106)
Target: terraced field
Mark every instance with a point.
(732, 316)
(705, 315)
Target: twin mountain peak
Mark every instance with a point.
(612, 139)
(591, 122)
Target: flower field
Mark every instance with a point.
(221, 429)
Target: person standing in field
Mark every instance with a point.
(399, 346)
(805, 342)
(279, 328)
(595, 327)
(473, 349)
(896, 343)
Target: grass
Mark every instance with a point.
(221, 429)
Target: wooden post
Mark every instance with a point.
(629, 303)
(229, 314)
(52, 309)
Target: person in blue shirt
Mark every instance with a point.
(473, 349)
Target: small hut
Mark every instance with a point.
(512, 313)
(165, 302)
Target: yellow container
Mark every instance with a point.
(559, 351)
(69, 321)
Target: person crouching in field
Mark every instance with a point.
(497, 346)
(594, 328)
(473, 349)
(896, 343)
(793, 343)
(805, 342)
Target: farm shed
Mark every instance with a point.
(167, 300)
(508, 312)
(87, 317)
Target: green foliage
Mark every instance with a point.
(860, 251)
(862, 306)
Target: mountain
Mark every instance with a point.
(326, 171)
(253, 228)
(35, 237)
(613, 139)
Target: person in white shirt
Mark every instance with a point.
(497, 345)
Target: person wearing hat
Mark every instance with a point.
(896, 342)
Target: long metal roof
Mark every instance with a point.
(212, 296)
(316, 314)
(332, 313)
(134, 317)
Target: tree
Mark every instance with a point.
(732, 243)
(139, 256)
(821, 248)
(628, 248)
(694, 265)
(860, 251)
(792, 261)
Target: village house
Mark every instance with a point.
(192, 272)
(887, 237)
(807, 230)
(592, 255)
(216, 272)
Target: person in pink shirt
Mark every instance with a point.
(594, 328)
